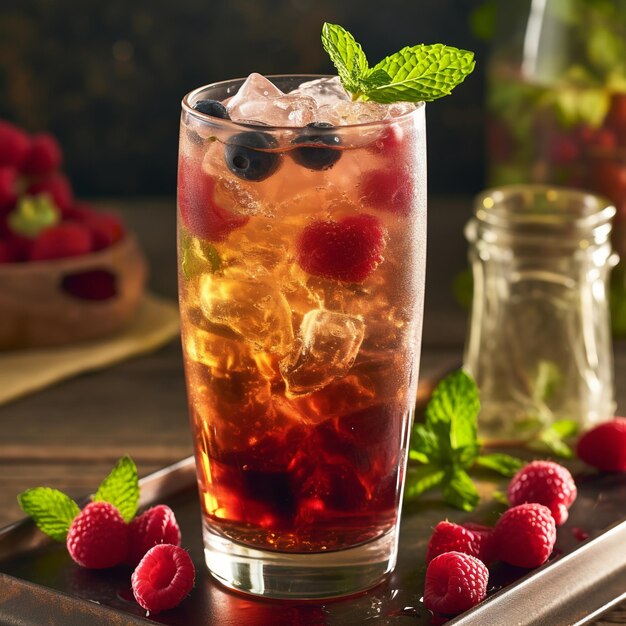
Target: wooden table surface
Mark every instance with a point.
(69, 436)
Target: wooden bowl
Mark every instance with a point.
(53, 303)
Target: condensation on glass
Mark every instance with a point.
(539, 343)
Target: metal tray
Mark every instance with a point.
(39, 584)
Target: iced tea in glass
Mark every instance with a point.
(302, 240)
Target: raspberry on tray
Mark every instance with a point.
(163, 578)
(604, 446)
(525, 535)
(547, 483)
(473, 539)
(155, 526)
(455, 582)
(98, 537)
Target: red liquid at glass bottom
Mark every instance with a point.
(309, 488)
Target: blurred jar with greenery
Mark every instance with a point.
(557, 103)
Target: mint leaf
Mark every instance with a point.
(422, 73)
(464, 457)
(121, 488)
(346, 54)
(376, 78)
(32, 215)
(564, 428)
(504, 464)
(50, 509)
(500, 497)
(548, 440)
(459, 490)
(197, 256)
(420, 479)
(454, 406)
(424, 445)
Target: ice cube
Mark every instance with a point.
(327, 346)
(290, 110)
(325, 91)
(259, 101)
(238, 197)
(217, 350)
(251, 99)
(254, 309)
(361, 112)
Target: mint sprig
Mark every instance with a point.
(420, 73)
(121, 488)
(446, 445)
(53, 511)
(551, 439)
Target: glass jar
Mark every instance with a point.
(539, 344)
(557, 105)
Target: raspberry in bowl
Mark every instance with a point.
(68, 273)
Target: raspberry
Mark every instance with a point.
(8, 188)
(389, 141)
(163, 578)
(199, 211)
(14, 145)
(473, 539)
(604, 446)
(58, 188)
(525, 534)
(80, 212)
(455, 582)
(157, 525)
(19, 247)
(348, 250)
(547, 483)
(98, 537)
(7, 255)
(487, 552)
(388, 190)
(64, 240)
(43, 157)
(106, 229)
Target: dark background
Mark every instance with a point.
(107, 77)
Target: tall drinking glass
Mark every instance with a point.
(301, 273)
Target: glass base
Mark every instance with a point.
(299, 576)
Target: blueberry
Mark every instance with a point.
(212, 107)
(317, 157)
(245, 157)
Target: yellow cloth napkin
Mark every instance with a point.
(25, 371)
